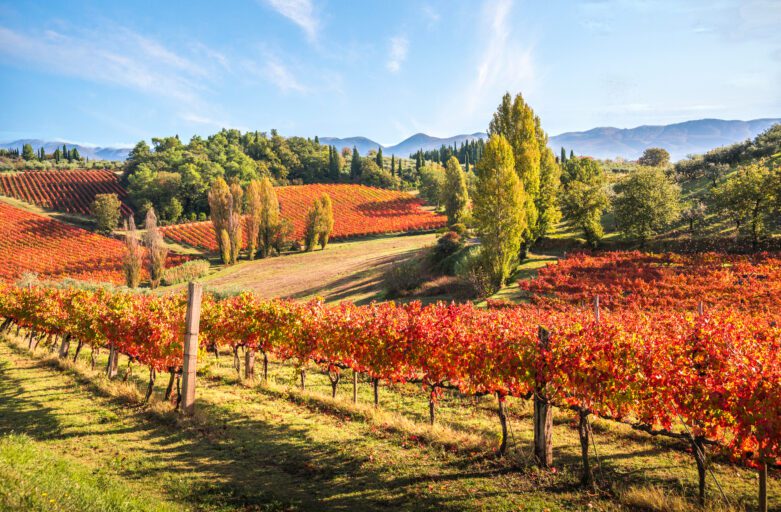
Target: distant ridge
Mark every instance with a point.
(404, 148)
(85, 151)
(680, 139)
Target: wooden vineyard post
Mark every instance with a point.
(113, 362)
(543, 414)
(596, 308)
(700, 308)
(355, 387)
(194, 292)
(763, 486)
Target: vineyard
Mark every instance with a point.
(666, 281)
(711, 378)
(65, 191)
(55, 250)
(358, 211)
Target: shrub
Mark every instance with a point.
(403, 277)
(105, 209)
(459, 228)
(185, 272)
(447, 244)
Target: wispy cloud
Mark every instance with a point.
(506, 64)
(397, 53)
(117, 56)
(300, 12)
(282, 77)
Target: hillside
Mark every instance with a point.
(404, 148)
(64, 191)
(679, 139)
(358, 211)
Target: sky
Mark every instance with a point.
(113, 73)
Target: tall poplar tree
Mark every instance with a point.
(534, 164)
(499, 209)
(456, 197)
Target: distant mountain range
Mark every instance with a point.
(85, 151)
(679, 139)
(404, 148)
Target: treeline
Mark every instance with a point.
(468, 154)
(174, 177)
(61, 158)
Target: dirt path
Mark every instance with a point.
(344, 271)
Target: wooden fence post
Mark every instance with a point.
(596, 308)
(700, 308)
(194, 292)
(543, 414)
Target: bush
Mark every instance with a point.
(185, 272)
(459, 228)
(447, 244)
(403, 277)
(105, 209)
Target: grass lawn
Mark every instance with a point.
(256, 446)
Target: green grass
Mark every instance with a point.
(33, 478)
(255, 446)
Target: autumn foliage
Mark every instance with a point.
(718, 373)
(357, 210)
(70, 191)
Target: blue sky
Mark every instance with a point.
(115, 72)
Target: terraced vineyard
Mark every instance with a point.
(358, 211)
(55, 250)
(65, 191)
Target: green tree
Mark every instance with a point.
(498, 209)
(221, 207)
(455, 195)
(379, 160)
(534, 163)
(28, 153)
(432, 183)
(583, 197)
(106, 210)
(373, 176)
(325, 223)
(646, 202)
(235, 224)
(655, 157)
(750, 196)
(311, 228)
(355, 165)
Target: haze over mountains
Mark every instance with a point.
(680, 139)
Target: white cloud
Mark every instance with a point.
(505, 64)
(397, 53)
(116, 56)
(279, 75)
(300, 12)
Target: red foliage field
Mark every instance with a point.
(667, 281)
(65, 191)
(358, 211)
(55, 250)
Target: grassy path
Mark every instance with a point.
(276, 448)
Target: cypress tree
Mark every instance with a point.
(393, 165)
(563, 156)
(355, 165)
(379, 157)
